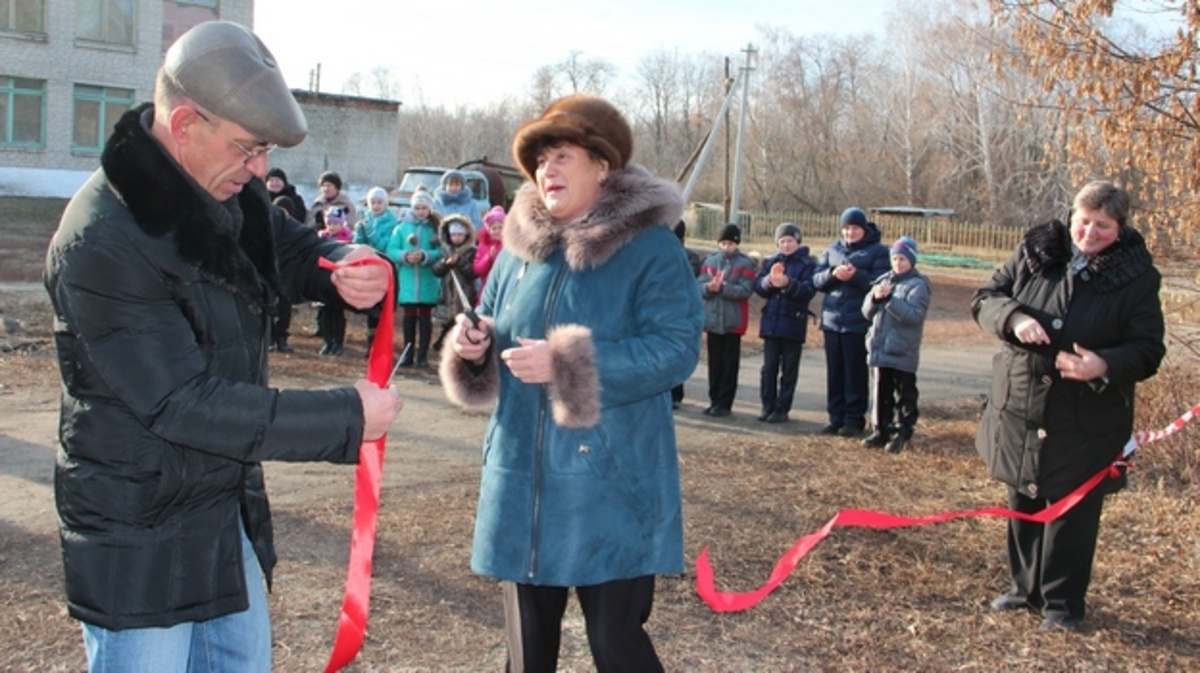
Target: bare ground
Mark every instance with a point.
(912, 599)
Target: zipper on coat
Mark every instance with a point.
(539, 444)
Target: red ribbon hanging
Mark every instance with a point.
(723, 601)
(356, 603)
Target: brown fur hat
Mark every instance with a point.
(583, 119)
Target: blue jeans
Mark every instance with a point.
(237, 642)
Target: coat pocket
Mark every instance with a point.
(1001, 367)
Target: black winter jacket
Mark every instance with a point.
(785, 311)
(162, 300)
(1040, 433)
(841, 308)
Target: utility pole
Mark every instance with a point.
(725, 186)
(750, 52)
(314, 79)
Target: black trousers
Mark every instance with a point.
(1051, 564)
(615, 615)
(724, 360)
(418, 327)
(332, 319)
(846, 379)
(282, 322)
(896, 398)
(780, 370)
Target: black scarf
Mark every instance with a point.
(231, 244)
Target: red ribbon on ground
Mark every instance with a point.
(356, 603)
(723, 601)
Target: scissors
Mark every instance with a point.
(468, 310)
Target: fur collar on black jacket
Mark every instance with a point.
(1127, 258)
(231, 243)
(630, 200)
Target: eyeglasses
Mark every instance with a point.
(251, 154)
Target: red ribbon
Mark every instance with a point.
(356, 603)
(722, 601)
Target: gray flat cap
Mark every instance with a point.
(226, 69)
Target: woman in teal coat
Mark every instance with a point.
(590, 317)
(414, 248)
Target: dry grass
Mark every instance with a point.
(911, 599)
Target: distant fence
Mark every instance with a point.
(934, 235)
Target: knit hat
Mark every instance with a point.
(907, 247)
(457, 228)
(493, 216)
(854, 216)
(284, 202)
(226, 69)
(332, 178)
(730, 232)
(277, 172)
(586, 120)
(377, 193)
(788, 229)
(422, 198)
(335, 214)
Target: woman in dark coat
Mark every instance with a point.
(1078, 311)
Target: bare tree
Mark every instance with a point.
(386, 85)
(573, 74)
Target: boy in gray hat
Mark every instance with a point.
(163, 274)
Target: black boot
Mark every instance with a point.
(878, 438)
(407, 359)
(425, 330)
(410, 337)
(281, 344)
(897, 444)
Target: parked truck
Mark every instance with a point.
(491, 184)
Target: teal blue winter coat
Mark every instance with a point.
(376, 230)
(417, 282)
(580, 479)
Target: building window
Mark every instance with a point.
(179, 16)
(22, 111)
(108, 21)
(23, 16)
(97, 109)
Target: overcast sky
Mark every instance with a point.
(472, 53)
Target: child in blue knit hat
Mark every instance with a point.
(896, 305)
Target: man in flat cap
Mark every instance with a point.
(163, 274)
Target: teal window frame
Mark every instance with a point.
(12, 89)
(103, 97)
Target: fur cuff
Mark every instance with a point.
(575, 386)
(465, 384)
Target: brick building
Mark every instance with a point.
(70, 68)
